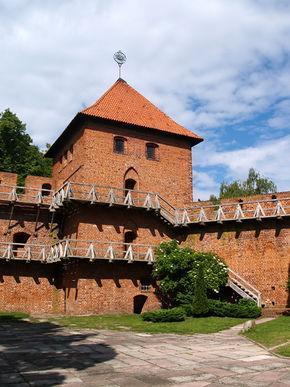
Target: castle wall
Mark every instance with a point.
(78, 288)
(37, 181)
(103, 287)
(259, 252)
(109, 224)
(29, 287)
(7, 178)
(25, 220)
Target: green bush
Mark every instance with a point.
(164, 315)
(243, 309)
(176, 268)
(200, 301)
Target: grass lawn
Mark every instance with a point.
(135, 323)
(271, 333)
(12, 316)
(284, 351)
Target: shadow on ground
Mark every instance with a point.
(45, 354)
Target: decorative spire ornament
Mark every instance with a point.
(120, 58)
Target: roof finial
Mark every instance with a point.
(120, 58)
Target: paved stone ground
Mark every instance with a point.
(47, 355)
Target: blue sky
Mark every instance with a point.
(219, 67)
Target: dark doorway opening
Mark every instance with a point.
(130, 184)
(45, 189)
(139, 302)
(19, 240)
(130, 236)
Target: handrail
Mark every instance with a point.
(237, 202)
(101, 242)
(15, 194)
(196, 214)
(77, 248)
(244, 281)
(103, 186)
(20, 187)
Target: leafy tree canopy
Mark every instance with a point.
(255, 184)
(176, 270)
(18, 154)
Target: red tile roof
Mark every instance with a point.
(122, 103)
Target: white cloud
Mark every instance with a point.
(271, 158)
(281, 118)
(206, 63)
(204, 185)
(57, 55)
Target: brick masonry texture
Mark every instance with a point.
(258, 251)
(95, 161)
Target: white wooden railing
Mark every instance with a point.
(243, 287)
(68, 248)
(112, 196)
(197, 214)
(19, 194)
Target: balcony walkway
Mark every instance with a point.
(202, 214)
(91, 251)
(196, 214)
(70, 248)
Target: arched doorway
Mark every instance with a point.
(130, 184)
(138, 303)
(130, 236)
(131, 179)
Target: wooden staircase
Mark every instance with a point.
(244, 288)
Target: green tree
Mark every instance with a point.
(176, 269)
(200, 302)
(17, 152)
(255, 184)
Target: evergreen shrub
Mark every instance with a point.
(165, 315)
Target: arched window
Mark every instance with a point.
(19, 240)
(119, 145)
(45, 189)
(151, 151)
(273, 197)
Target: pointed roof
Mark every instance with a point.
(122, 103)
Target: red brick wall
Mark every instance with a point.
(37, 181)
(24, 220)
(94, 161)
(8, 178)
(106, 287)
(27, 287)
(259, 252)
(101, 223)
(90, 288)
(72, 168)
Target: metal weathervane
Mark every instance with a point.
(120, 58)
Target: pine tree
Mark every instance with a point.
(200, 301)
